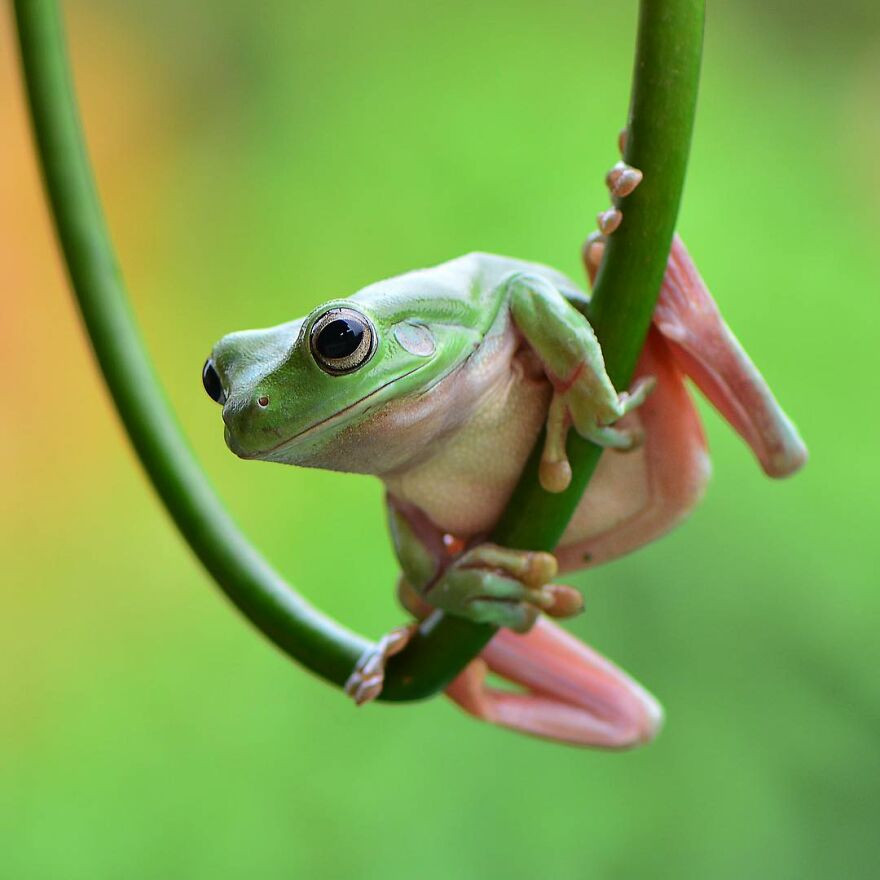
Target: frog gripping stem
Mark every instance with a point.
(668, 55)
(703, 346)
(583, 396)
(696, 337)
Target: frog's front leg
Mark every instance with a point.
(484, 583)
(583, 395)
(508, 588)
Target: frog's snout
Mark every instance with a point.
(244, 403)
(212, 383)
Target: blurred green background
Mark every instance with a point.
(256, 159)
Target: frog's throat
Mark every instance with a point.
(330, 421)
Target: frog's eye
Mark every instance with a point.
(212, 383)
(342, 340)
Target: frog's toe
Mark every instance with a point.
(518, 616)
(504, 587)
(554, 471)
(364, 689)
(510, 603)
(622, 179)
(592, 253)
(533, 567)
(609, 437)
(608, 220)
(564, 601)
(366, 681)
(637, 395)
(554, 474)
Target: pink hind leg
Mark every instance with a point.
(703, 344)
(667, 476)
(571, 694)
(636, 497)
(710, 354)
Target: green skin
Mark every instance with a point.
(388, 407)
(439, 382)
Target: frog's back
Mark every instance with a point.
(462, 290)
(491, 269)
(488, 270)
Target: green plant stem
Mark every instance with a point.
(243, 574)
(662, 109)
(667, 68)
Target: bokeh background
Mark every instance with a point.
(255, 159)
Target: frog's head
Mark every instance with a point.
(340, 389)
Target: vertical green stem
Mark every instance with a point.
(663, 105)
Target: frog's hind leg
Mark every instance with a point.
(570, 693)
(703, 345)
(708, 352)
(635, 497)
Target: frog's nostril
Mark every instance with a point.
(212, 383)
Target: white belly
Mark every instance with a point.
(633, 497)
(465, 484)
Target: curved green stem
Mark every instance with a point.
(243, 574)
(667, 67)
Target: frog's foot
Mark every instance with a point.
(365, 682)
(592, 253)
(508, 588)
(565, 691)
(621, 181)
(574, 403)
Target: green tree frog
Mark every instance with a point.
(439, 382)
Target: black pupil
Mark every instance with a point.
(339, 338)
(211, 381)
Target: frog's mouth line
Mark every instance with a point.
(327, 422)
